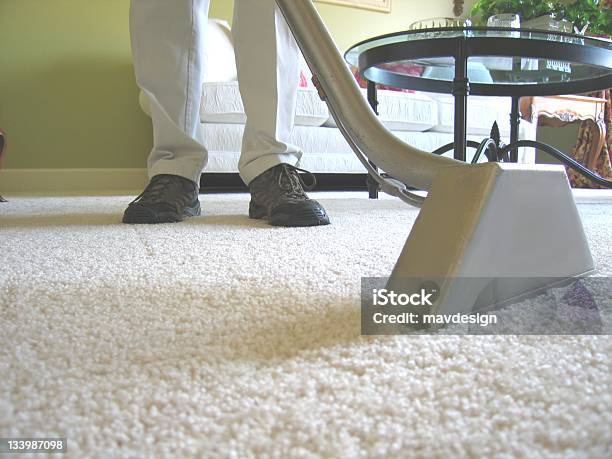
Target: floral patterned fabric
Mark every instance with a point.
(398, 67)
(583, 145)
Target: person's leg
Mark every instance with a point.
(268, 72)
(167, 40)
(267, 61)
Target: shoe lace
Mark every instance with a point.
(291, 181)
(155, 190)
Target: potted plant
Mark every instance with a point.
(593, 15)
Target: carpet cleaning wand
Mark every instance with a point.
(515, 225)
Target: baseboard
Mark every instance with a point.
(214, 182)
(112, 181)
(52, 181)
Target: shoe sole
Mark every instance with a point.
(142, 215)
(309, 213)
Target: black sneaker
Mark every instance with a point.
(166, 199)
(278, 196)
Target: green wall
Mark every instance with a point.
(67, 93)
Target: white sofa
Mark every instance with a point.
(422, 120)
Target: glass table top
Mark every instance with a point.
(527, 57)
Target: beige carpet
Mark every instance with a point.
(223, 337)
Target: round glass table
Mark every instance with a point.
(490, 62)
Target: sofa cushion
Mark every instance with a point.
(477, 72)
(401, 111)
(404, 68)
(221, 103)
(325, 149)
(482, 111)
(219, 52)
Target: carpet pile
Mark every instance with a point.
(224, 337)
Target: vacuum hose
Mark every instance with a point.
(357, 121)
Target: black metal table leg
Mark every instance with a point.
(515, 120)
(373, 186)
(461, 89)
